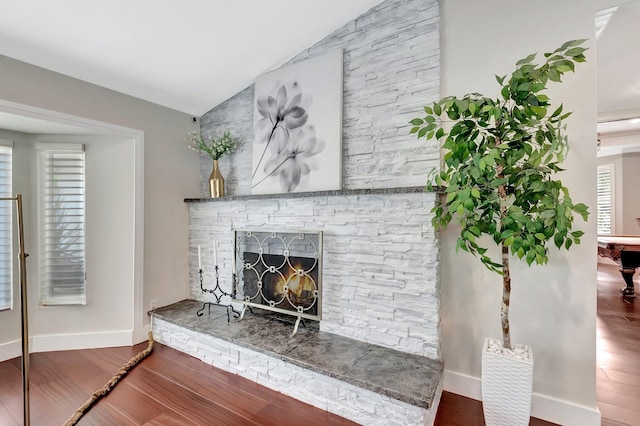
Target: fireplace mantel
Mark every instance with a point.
(342, 192)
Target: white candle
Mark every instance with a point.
(215, 254)
(199, 261)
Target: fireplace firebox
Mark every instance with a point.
(279, 271)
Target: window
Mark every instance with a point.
(6, 228)
(61, 224)
(605, 197)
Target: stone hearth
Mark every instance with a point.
(366, 383)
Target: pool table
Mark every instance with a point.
(626, 252)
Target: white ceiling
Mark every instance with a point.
(191, 55)
(619, 64)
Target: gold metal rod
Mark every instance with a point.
(23, 303)
(25, 319)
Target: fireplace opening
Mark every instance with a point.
(283, 283)
(280, 271)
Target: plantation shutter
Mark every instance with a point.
(605, 200)
(62, 224)
(6, 228)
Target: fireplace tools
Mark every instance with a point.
(217, 293)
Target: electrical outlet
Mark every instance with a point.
(153, 304)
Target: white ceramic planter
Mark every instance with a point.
(507, 384)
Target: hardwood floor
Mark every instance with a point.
(618, 369)
(171, 388)
(456, 410)
(167, 388)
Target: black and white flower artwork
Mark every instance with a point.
(297, 127)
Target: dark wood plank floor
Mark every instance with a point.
(456, 410)
(618, 372)
(171, 388)
(167, 388)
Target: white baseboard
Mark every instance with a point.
(66, 342)
(10, 350)
(542, 406)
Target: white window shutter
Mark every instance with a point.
(605, 197)
(61, 228)
(6, 230)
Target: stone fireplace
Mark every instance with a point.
(378, 269)
(377, 282)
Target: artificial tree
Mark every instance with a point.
(500, 158)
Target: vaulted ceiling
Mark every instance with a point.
(190, 55)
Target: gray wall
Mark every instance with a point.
(553, 307)
(167, 168)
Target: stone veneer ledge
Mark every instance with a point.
(372, 191)
(366, 383)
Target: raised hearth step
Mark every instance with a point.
(409, 378)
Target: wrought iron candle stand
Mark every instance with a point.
(218, 293)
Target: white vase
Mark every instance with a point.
(507, 384)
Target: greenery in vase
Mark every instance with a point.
(216, 148)
(500, 156)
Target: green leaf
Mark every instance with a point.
(526, 60)
(558, 240)
(505, 92)
(422, 132)
(417, 121)
(439, 133)
(557, 112)
(506, 234)
(564, 68)
(530, 257)
(575, 51)
(437, 109)
(428, 110)
(414, 130)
